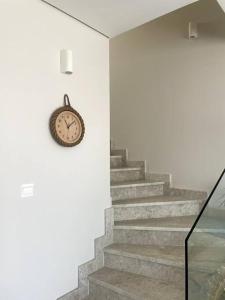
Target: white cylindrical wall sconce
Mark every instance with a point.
(193, 30)
(66, 61)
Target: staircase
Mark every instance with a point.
(151, 221)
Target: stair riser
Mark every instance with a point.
(204, 283)
(123, 176)
(98, 292)
(149, 237)
(156, 211)
(121, 152)
(131, 192)
(147, 268)
(207, 240)
(116, 162)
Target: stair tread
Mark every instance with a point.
(183, 223)
(135, 286)
(153, 200)
(135, 183)
(168, 223)
(203, 259)
(170, 255)
(116, 169)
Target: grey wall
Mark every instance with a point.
(168, 95)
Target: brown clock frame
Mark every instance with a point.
(52, 123)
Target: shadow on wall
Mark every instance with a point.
(212, 30)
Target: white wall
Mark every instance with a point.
(168, 95)
(43, 239)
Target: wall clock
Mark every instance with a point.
(66, 125)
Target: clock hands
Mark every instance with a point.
(71, 124)
(66, 124)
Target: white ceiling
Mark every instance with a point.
(113, 17)
(222, 3)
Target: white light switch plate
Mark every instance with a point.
(27, 190)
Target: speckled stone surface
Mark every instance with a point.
(122, 152)
(166, 178)
(206, 259)
(168, 224)
(207, 240)
(153, 209)
(140, 164)
(189, 194)
(116, 161)
(73, 295)
(164, 263)
(96, 263)
(126, 174)
(137, 183)
(161, 231)
(149, 237)
(98, 292)
(124, 285)
(162, 199)
(141, 255)
(137, 189)
(169, 255)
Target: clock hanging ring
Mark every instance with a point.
(66, 125)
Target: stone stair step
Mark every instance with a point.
(123, 152)
(146, 261)
(116, 161)
(155, 207)
(170, 255)
(206, 260)
(164, 263)
(116, 285)
(153, 199)
(136, 189)
(120, 169)
(126, 174)
(170, 223)
(157, 231)
(206, 240)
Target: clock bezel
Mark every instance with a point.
(52, 125)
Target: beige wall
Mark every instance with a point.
(168, 95)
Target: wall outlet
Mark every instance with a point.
(27, 190)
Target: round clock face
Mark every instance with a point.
(67, 127)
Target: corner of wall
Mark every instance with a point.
(95, 264)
